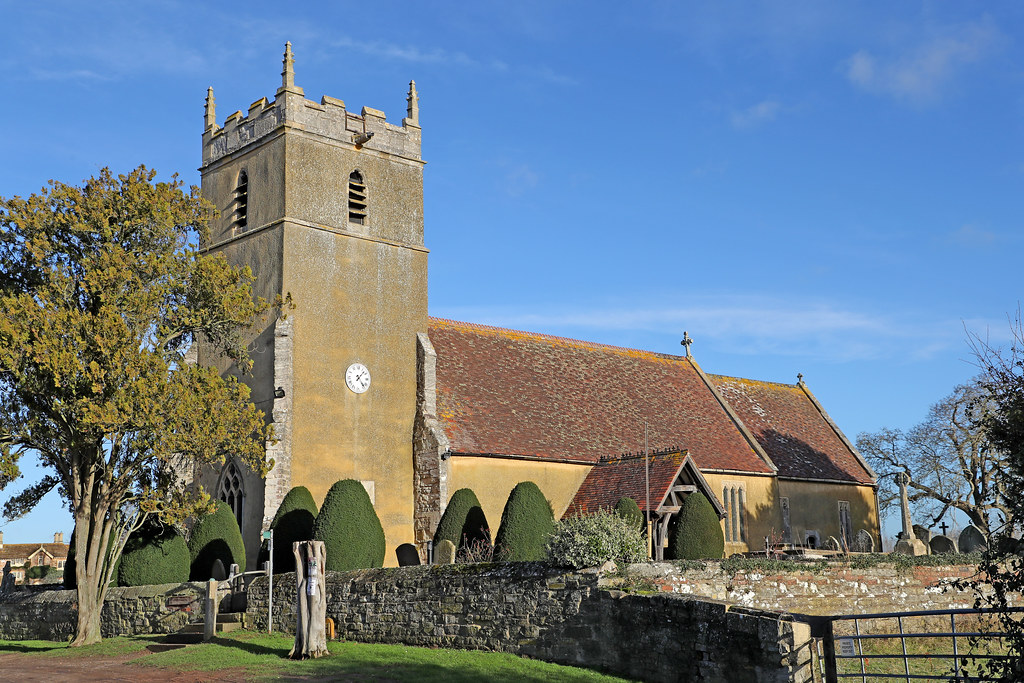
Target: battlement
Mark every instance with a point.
(328, 118)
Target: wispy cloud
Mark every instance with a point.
(761, 112)
(518, 178)
(971, 236)
(921, 72)
(752, 326)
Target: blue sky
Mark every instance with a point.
(817, 187)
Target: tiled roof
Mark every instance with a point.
(517, 393)
(11, 551)
(791, 428)
(615, 478)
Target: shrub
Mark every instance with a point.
(350, 529)
(215, 537)
(696, 533)
(37, 572)
(463, 522)
(293, 522)
(630, 511)
(594, 539)
(156, 553)
(526, 523)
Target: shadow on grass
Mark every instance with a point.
(24, 646)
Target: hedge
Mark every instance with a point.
(526, 523)
(156, 553)
(350, 529)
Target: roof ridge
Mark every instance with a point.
(758, 381)
(551, 337)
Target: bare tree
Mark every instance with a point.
(949, 459)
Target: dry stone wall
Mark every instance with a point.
(53, 614)
(570, 618)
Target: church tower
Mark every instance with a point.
(325, 205)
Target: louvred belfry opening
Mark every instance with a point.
(356, 198)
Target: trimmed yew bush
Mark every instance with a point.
(293, 522)
(156, 553)
(350, 529)
(463, 522)
(215, 537)
(526, 523)
(630, 511)
(592, 540)
(696, 533)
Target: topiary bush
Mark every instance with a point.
(463, 522)
(630, 511)
(349, 527)
(526, 523)
(592, 540)
(156, 553)
(215, 537)
(293, 522)
(696, 533)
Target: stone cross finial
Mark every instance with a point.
(799, 378)
(687, 340)
(211, 110)
(412, 111)
(288, 75)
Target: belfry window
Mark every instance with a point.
(231, 490)
(242, 201)
(356, 198)
(734, 497)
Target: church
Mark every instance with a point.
(326, 204)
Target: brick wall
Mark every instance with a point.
(570, 618)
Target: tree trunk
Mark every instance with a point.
(310, 631)
(90, 555)
(90, 607)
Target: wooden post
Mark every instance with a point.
(210, 612)
(311, 595)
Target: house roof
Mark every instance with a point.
(16, 551)
(794, 430)
(506, 392)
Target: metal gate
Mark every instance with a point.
(935, 645)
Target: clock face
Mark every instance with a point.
(357, 377)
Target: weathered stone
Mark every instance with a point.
(864, 542)
(910, 546)
(923, 533)
(942, 544)
(444, 552)
(971, 540)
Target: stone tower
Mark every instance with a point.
(326, 205)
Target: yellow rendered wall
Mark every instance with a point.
(761, 511)
(492, 479)
(815, 506)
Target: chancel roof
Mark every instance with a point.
(505, 392)
(794, 430)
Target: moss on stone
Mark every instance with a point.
(215, 537)
(526, 523)
(350, 529)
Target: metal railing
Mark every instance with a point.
(849, 643)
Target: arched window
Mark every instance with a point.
(734, 496)
(231, 490)
(356, 198)
(242, 201)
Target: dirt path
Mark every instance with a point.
(21, 668)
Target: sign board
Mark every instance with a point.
(180, 600)
(267, 535)
(846, 647)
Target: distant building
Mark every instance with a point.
(23, 556)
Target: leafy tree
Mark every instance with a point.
(102, 292)
(526, 523)
(350, 529)
(950, 459)
(696, 532)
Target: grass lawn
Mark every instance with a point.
(263, 656)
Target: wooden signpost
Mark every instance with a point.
(311, 594)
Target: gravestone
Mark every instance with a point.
(217, 571)
(407, 554)
(444, 552)
(971, 540)
(832, 543)
(923, 533)
(864, 542)
(908, 543)
(942, 544)
(8, 583)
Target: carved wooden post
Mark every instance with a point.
(310, 631)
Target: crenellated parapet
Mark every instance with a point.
(329, 118)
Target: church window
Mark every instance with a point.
(734, 497)
(356, 198)
(845, 523)
(242, 201)
(231, 490)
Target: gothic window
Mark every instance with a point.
(242, 201)
(356, 198)
(734, 499)
(231, 490)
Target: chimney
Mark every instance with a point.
(58, 537)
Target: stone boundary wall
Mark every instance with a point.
(53, 614)
(832, 590)
(570, 618)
